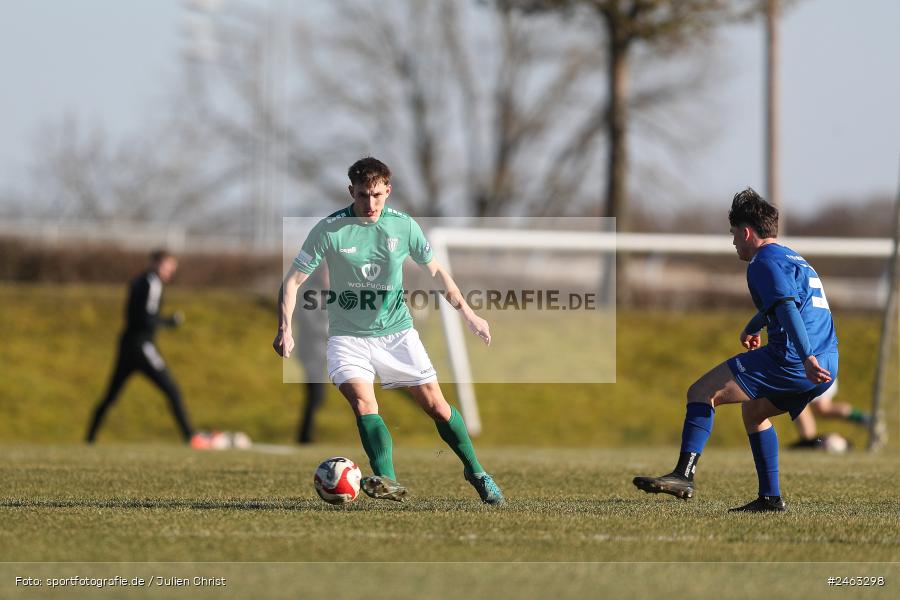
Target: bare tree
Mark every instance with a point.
(247, 100)
(464, 99)
(508, 108)
(663, 28)
(152, 176)
(484, 108)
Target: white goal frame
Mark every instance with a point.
(443, 239)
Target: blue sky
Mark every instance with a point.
(840, 90)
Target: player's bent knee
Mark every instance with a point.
(361, 402)
(693, 395)
(699, 392)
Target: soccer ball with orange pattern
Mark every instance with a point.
(337, 480)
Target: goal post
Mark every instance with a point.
(886, 388)
(454, 333)
(514, 257)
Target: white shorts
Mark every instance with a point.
(829, 394)
(399, 359)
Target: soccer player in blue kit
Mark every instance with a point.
(798, 364)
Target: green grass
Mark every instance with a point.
(163, 504)
(155, 503)
(564, 454)
(59, 344)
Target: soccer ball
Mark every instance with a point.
(240, 440)
(219, 440)
(337, 480)
(835, 443)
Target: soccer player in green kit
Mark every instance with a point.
(370, 328)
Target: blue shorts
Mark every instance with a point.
(760, 375)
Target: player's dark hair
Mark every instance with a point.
(159, 255)
(750, 209)
(369, 171)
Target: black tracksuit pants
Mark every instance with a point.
(140, 354)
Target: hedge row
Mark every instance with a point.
(33, 262)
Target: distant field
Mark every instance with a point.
(59, 345)
(124, 503)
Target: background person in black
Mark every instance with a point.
(137, 352)
(312, 327)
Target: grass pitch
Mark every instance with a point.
(574, 526)
(158, 503)
(164, 504)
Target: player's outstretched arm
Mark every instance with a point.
(750, 334)
(476, 324)
(287, 299)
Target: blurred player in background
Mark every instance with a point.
(797, 365)
(824, 407)
(313, 328)
(370, 328)
(137, 350)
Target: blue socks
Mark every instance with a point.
(764, 445)
(698, 423)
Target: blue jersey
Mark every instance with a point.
(778, 273)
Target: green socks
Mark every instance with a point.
(858, 416)
(379, 447)
(377, 442)
(456, 435)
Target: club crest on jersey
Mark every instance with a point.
(371, 271)
(392, 243)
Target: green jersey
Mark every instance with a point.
(365, 264)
